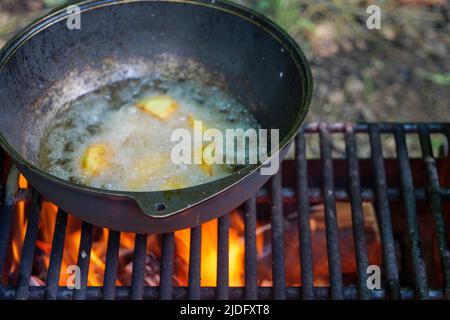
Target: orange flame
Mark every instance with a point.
(100, 239)
(19, 229)
(209, 252)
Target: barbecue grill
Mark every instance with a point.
(410, 195)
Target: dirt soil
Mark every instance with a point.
(392, 77)
(382, 82)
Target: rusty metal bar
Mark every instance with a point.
(278, 269)
(166, 285)
(368, 194)
(436, 204)
(26, 261)
(304, 232)
(251, 275)
(56, 255)
(409, 202)
(84, 257)
(334, 257)
(359, 237)
(339, 127)
(195, 255)
(208, 293)
(137, 277)
(112, 262)
(223, 246)
(384, 214)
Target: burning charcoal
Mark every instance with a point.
(41, 260)
(151, 269)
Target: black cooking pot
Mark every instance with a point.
(50, 64)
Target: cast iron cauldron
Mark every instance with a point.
(49, 64)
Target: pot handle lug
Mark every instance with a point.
(162, 204)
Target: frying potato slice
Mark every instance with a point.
(95, 159)
(158, 106)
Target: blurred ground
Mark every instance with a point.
(398, 73)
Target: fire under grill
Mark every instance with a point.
(352, 197)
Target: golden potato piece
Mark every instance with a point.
(95, 159)
(158, 106)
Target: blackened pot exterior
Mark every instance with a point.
(48, 65)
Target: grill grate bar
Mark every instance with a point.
(7, 212)
(207, 293)
(306, 256)
(421, 282)
(357, 212)
(436, 205)
(195, 263)
(84, 257)
(339, 127)
(56, 255)
(251, 272)
(112, 262)
(384, 214)
(334, 257)
(368, 194)
(223, 258)
(278, 270)
(296, 195)
(137, 277)
(167, 266)
(29, 245)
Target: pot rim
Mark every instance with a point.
(268, 26)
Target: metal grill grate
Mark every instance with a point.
(399, 182)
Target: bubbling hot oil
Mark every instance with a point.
(136, 145)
